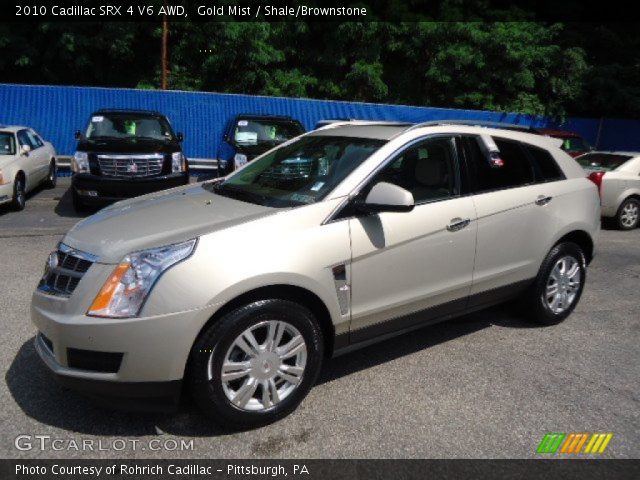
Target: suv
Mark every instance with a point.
(123, 154)
(394, 228)
(617, 175)
(246, 136)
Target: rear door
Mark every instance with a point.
(511, 228)
(414, 267)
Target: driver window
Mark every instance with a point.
(427, 169)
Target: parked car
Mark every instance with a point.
(246, 136)
(26, 161)
(123, 154)
(240, 288)
(572, 143)
(617, 175)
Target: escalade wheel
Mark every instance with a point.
(255, 364)
(558, 286)
(628, 215)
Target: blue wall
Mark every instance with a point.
(57, 112)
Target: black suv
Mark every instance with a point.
(123, 154)
(247, 135)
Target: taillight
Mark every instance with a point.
(596, 177)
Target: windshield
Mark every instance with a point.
(7, 144)
(574, 144)
(129, 125)
(602, 161)
(257, 132)
(300, 173)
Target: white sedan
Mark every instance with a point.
(617, 175)
(26, 161)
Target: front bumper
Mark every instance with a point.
(112, 189)
(152, 353)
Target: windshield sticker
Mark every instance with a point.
(97, 119)
(317, 186)
(243, 123)
(247, 137)
(298, 197)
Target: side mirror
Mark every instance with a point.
(77, 135)
(179, 136)
(386, 197)
(25, 149)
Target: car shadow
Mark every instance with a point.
(64, 207)
(41, 398)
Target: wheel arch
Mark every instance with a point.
(582, 239)
(289, 292)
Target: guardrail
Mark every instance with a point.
(197, 164)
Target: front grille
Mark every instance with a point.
(64, 270)
(130, 165)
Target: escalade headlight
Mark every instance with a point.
(80, 162)
(178, 162)
(126, 289)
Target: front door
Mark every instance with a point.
(415, 267)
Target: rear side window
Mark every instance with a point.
(602, 161)
(546, 166)
(516, 170)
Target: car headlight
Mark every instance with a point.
(80, 162)
(126, 289)
(178, 162)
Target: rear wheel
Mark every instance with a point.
(256, 364)
(558, 287)
(628, 215)
(52, 177)
(19, 195)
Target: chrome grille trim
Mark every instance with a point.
(63, 278)
(130, 165)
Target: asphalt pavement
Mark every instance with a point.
(488, 385)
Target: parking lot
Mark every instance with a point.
(486, 385)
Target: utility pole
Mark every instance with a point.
(164, 60)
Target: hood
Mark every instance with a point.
(127, 145)
(7, 159)
(159, 219)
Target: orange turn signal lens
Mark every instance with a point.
(103, 299)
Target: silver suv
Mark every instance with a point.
(239, 289)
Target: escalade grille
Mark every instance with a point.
(130, 165)
(288, 171)
(64, 270)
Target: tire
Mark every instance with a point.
(52, 177)
(628, 215)
(257, 376)
(19, 194)
(538, 305)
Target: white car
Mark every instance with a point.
(26, 161)
(617, 175)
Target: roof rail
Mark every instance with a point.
(382, 123)
(471, 123)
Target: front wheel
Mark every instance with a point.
(256, 364)
(558, 287)
(19, 194)
(52, 177)
(628, 216)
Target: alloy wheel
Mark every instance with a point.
(263, 366)
(563, 284)
(629, 215)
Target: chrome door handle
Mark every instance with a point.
(458, 224)
(542, 200)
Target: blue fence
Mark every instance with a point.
(57, 112)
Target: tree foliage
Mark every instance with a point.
(526, 67)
